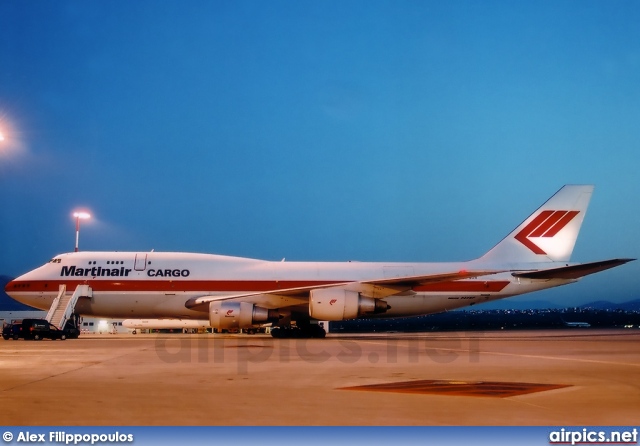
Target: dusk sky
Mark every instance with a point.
(318, 130)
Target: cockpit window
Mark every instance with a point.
(55, 261)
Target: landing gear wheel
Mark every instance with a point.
(313, 331)
(318, 332)
(304, 332)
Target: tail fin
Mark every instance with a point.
(550, 233)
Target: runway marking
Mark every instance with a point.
(248, 346)
(83, 366)
(556, 358)
(50, 376)
(460, 388)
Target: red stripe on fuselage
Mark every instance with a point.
(211, 286)
(169, 286)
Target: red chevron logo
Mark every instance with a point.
(546, 224)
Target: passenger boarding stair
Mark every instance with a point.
(63, 306)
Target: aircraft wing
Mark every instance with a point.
(297, 296)
(412, 281)
(269, 299)
(573, 271)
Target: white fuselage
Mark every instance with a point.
(157, 285)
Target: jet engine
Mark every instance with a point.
(332, 304)
(230, 315)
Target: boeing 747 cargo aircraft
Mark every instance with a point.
(233, 292)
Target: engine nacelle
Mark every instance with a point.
(230, 315)
(331, 304)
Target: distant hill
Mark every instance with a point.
(6, 303)
(514, 304)
(632, 305)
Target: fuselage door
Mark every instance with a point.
(141, 262)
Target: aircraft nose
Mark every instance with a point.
(9, 286)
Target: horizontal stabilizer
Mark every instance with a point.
(574, 271)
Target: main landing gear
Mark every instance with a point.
(299, 332)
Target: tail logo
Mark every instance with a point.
(546, 224)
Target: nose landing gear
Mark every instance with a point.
(299, 331)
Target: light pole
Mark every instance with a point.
(78, 216)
